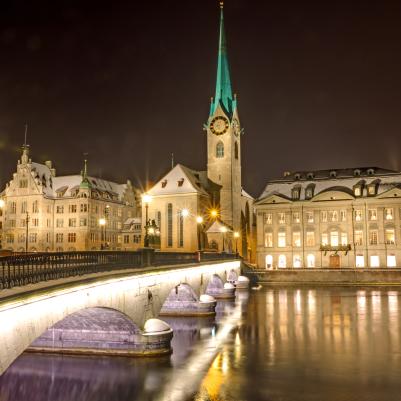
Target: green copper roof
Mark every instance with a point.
(85, 184)
(224, 94)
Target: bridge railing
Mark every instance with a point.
(24, 269)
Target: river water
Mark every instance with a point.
(278, 344)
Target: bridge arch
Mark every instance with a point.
(139, 296)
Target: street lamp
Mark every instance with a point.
(102, 224)
(26, 231)
(184, 212)
(236, 236)
(223, 231)
(2, 204)
(146, 199)
(199, 220)
(214, 213)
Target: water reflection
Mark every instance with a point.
(282, 344)
(312, 344)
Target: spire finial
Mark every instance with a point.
(85, 172)
(172, 161)
(26, 134)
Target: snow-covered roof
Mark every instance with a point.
(337, 180)
(52, 186)
(182, 180)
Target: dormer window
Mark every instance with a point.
(164, 183)
(181, 182)
(357, 191)
(371, 171)
(296, 192)
(297, 176)
(357, 172)
(310, 176)
(309, 191)
(333, 174)
(372, 190)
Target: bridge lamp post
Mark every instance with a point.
(146, 199)
(26, 231)
(236, 236)
(223, 231)
(2, 204)
(199, 221)
(214, 213)
(102, 224)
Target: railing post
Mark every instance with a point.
(147, 257)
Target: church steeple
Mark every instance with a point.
(224, 95)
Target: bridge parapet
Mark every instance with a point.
(24, 269)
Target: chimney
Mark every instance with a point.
(287, 173)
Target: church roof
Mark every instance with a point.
(182, 180)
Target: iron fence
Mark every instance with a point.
(24, 269)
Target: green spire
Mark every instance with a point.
(224, 94)
(84, 173)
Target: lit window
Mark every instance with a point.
(309, 217)
(371, 189)
(324, 216)
(358, 215)
(310, 238)
(268, 218)
(372, 214)
(357, 191)
(295, 217)
(373, 237)
(325, 239)
(360, 261)
(334, 216)
(282, 261)
(374, 261)
(281, 240)
(358, 238)
(334, 238)
(311, 260)
(344, 239)
(295, 193)
(269, 240)
(390, 236)
(391, 261)
(281, 218)
(269, 261)
(296, 238)
(389, 214)
(297, 261)
(220, 150)
(343, 215)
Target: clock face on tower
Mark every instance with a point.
(219, 125)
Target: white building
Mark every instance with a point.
(44, 212)
(330, 218)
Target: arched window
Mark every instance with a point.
(220, 150)
(170, 225)
(236, 150)
(269, 261)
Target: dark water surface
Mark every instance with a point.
(281, 344)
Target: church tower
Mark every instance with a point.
(223, 139)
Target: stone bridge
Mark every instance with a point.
(26, 313)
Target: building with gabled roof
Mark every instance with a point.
(184, 195)
(44, 212)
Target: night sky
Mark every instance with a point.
(130, 82)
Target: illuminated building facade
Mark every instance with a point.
(44, 212)
(183, 195)
(345, 218)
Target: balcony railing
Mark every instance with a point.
(20, 270)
